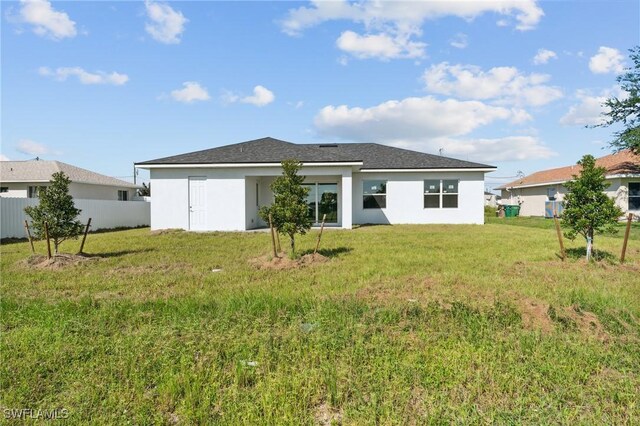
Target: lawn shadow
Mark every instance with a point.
(331, 252)
(368, 225)
(581, 253)
(120, 253)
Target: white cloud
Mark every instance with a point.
(459, 41)
(46, 21)
(607, 60)
(543, 56)
(391, 25)
(29, 147)
(589, 109)
(504, 85)
(166, 25)
(405, 15)
(382, 46)
(191, 92)
(4, 158)
(261, 97)
(510, 148)
(408, 119)
(85, 77)
(427, 124)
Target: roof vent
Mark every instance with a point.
(328, 145)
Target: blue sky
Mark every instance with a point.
(512, 83)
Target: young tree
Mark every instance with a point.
(57, 209)
(626, 109)
(289, 210)
(587, 209)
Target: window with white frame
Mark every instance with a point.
(634, 195)
(374, 194)
(552, 193)
(123, 195)
(440, 193)
(32, 191)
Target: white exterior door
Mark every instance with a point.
(197, 203)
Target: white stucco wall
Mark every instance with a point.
(231, 196)
(225, 194)
(77, 190)
(405, 199)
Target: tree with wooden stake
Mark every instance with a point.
(289, 211)
(57, 210)
(587, 209)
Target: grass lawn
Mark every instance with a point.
(405, 324)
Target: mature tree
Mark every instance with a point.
(57, 209)
(289, 210)
(626, 109)
(587, 209)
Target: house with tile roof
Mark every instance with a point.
(22, 179)
(536, 189)
(222, 189)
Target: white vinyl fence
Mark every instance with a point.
(104, 214)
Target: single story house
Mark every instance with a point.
(532, 192)
(22, 179)
(221, 189)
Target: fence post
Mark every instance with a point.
(84, 237)
(26, 227)
(46, 234)
(626, 237)
(559, 232)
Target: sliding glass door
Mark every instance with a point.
(323, 199)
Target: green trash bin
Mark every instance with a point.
(511, 211)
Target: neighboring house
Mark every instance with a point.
(491, 199)
(21, 179)
(223, 188)
(533, 191)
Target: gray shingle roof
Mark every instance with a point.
(270, 150)
(41, 171)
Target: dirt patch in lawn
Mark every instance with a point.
(285, 262)
(326, 415)
(59, 261)
(587, 323)
(535, 315)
